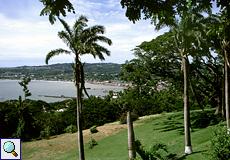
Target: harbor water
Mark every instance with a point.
(44, 90)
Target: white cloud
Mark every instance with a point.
(118, 27)
(30, 37)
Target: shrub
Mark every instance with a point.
(46, 133)
(93, 129)
(71, 129)
(156, 151)
(96, 111)
(92, 143)
(204, 119)
(99, 111)
(123, 118)
(220, 144)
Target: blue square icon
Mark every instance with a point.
(10, 148)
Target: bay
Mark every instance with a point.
(10, 89)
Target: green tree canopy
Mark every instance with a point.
(54, 8)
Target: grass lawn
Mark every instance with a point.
(112, 140)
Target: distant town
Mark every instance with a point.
(95, 73)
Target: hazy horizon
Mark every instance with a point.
(55, 64)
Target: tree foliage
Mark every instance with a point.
(164, 11)
(24, 84)
(55, 8)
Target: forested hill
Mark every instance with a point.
(93, 71)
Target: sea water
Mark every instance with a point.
(10, 89)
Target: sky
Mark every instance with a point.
(26, 37)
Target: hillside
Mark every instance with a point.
(63, 72)
(112, 139)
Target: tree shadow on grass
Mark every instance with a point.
(199, 120)
(184, 155)
(204, 119)
(172, 125)
(174, 122)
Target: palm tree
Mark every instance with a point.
(81, 41)
(188, 32)
(191, 31)
(221, 31)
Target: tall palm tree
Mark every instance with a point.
(221, 31)
(191, 31)
(81, 41)
(189, 34)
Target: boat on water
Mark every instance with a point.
(105, 91)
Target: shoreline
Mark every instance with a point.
(87, 82)
(61, 89)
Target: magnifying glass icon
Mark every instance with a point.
(9, 147)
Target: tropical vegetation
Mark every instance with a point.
(163, 72)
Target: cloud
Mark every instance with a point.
(21, 37)
(28, 37)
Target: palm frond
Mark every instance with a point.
(66, 38)
(78, 28)
(81, 22)
(55, 52)
(67, 27)
(79, 25)
(95, 39)
(96, 50)
(82, 41)
(90, 35)
(100, 50)
(97, 29)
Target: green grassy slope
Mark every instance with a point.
(166, 128)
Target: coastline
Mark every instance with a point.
(116, 84)
(59, 89)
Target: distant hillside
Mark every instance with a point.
(93, 71)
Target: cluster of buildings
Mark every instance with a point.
(113, 83)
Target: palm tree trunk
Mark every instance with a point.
(223, 94)
(226, 89)
(79, 127)
(188, 147)
(79, 112)
(131, 139)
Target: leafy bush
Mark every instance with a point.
(123, 118)
(71, 129)
(156, 151)
(92, 143)
(93, 129)
(95, 112)
(220, 144)
(99, 111)
(46, 133)
(9, 119)
(204, 119)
